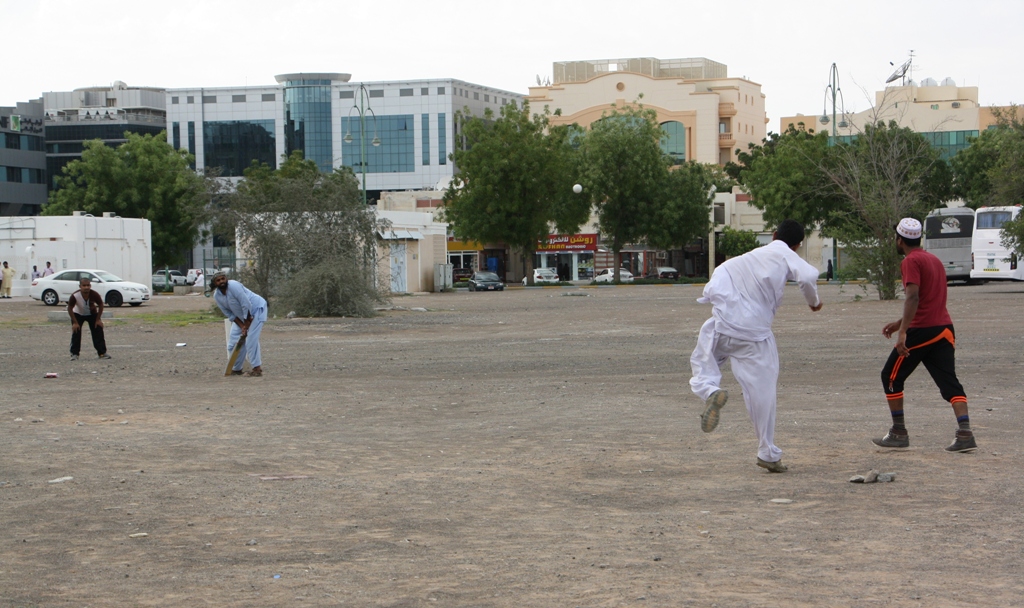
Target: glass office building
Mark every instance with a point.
(307, 119)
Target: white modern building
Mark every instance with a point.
(401, 133)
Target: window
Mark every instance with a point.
(176, 135)
(442, 140)
(425, 139)
(476, 96)
(192, 139)
(992, 219)
(209, 99)
(674, 142)
(425, 91)
(238, 99)
(405, 92)
(377, 93)
(190, 99)
(269, 97)
(487, 97)
(174, 100)
(396, 152)
(440, 90)
(232, 145)
(346, 95)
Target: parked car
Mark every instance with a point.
(115, 291)
(543, 275)
(176, 277)
(607, 275)
(461, 274)
(485, 281)
(663, 272)
(160, 282)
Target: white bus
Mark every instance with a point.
(948, 235)
(992, 261)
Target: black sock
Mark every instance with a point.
(897, 421)
(964, 422)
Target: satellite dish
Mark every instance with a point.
(900, 71)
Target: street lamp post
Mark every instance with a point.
(364, 97)
(836, 92)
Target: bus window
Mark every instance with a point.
(992, 219)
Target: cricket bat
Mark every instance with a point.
(234, 355)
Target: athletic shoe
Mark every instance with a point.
(773, 467)
(893, 439)
(237, 372)
(104, 356)
(709, 419)
(74, 357)
(964, 442)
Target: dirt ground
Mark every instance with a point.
(536, 447)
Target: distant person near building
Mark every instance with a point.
(35, 273)
(48, 270)
(8, 281)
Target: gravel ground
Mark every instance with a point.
(535, 447)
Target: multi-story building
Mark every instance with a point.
(706, 116)
(401, 133)
(22, 159)
(106, 113)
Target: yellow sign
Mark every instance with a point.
(458, 245)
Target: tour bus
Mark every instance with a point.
(990, 260)
(948, 235)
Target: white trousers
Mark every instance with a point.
(755, 365)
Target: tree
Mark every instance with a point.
(515, 181)
(683, 214)
(624, 173)
(737, 242)
(310, 239)
(142, 178)
(886, 173)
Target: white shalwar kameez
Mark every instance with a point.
(745, 292)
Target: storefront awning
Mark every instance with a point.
(401, 235)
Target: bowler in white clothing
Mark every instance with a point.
(745, 292)
(247, 312)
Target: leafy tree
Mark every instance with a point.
(516, 175)
(310, 239)
(624, 173)
(145, 177)
(737, 242)
(683, 214)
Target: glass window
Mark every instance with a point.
(674, 141)
(176, 135)
(209, 99)
(440, 90)
(346, 94)
(487, 97)
(405, 92)
(308, 124)
(992, 219)
(395, 154)
(377, 93)
(425, 139)
(174, 100)
(425, 91)
(190, 99)
(238, 99)
(442, 140)
(476, 96)
(192, 138)
(232, 145)
(269, 97)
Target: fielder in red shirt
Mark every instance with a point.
(924, 335)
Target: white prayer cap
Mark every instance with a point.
(909, 228)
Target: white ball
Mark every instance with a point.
(577, 188)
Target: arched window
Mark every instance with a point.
(674, 143)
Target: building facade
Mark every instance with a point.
(22, 159)
(394, 135)
(105, 113)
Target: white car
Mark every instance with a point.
(58, 287)
(608, 275)
(543, 275)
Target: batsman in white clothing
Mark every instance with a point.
(745, 292)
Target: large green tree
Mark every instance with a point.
(144, 177)
(684, 210)
(625, 173)
(309, 240)
(515, 181)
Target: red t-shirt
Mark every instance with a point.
(927, 272)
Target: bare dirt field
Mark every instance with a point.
(523, 448)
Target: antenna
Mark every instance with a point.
(900, 71)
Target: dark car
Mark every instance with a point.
(485, 281)
(461, 274)
(663, 272)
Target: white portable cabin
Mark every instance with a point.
(121, 246)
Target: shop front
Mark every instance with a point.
(571, 256)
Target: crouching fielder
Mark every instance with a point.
(745, 292)
(247, 312)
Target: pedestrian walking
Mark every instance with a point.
(35, 273)
(48, 270)
(247, 312)
(7, 274)
(745, 292)
(86, 306)
(924, 334)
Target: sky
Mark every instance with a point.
(787, 46)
